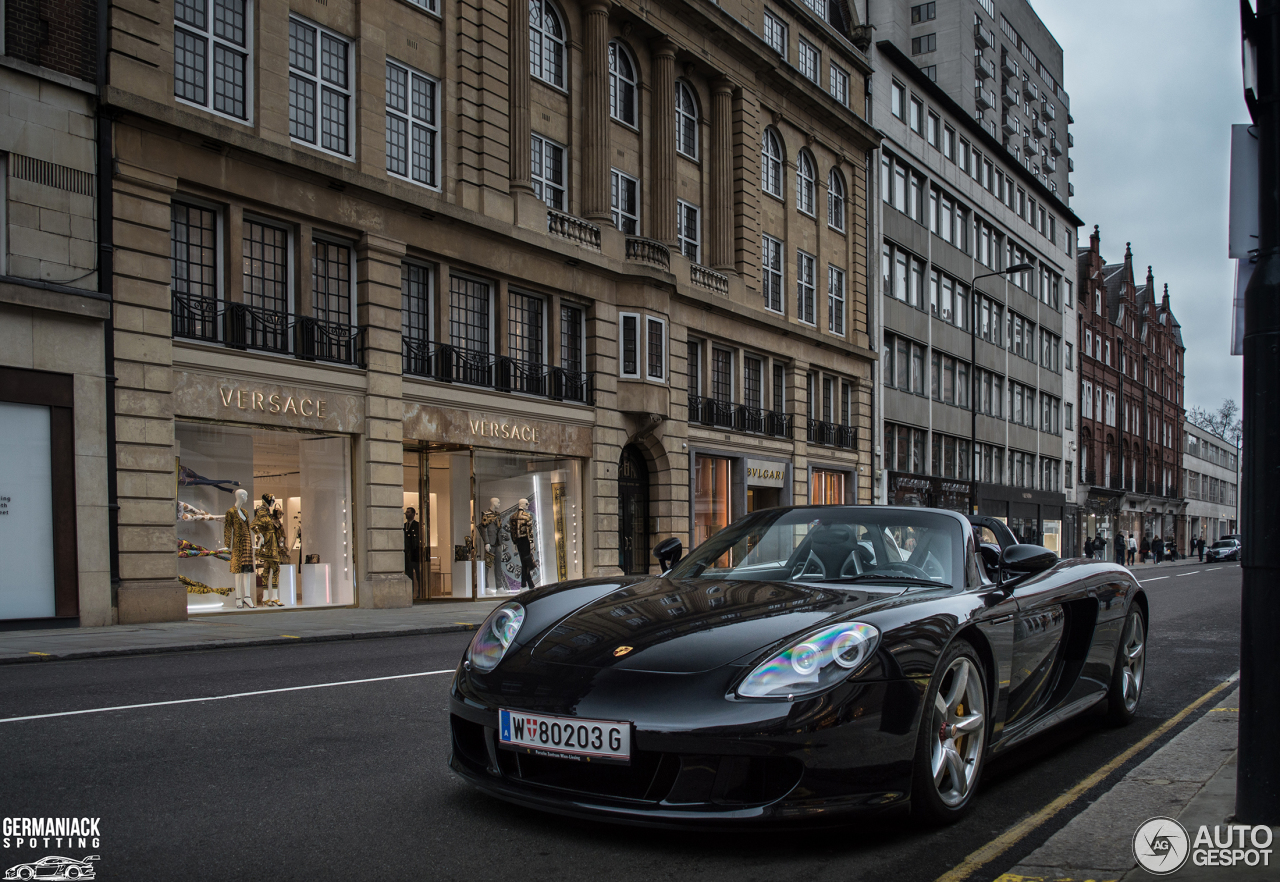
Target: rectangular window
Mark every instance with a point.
(779, 387)
(194, 247)
(693, 369)
(624, 197)
(898, 100)
(319, 87)
(933, 129)
(524, 328)
(548, 162)
(470, 308)
(805, 285)
(775, 34)
(916, 118)
(752, 380)
(721, 375)
(331, 282)
(923, 12)
(415, 302)
(839, 84)
(924, 44)
(835, 300)
(810, 60)
(949, 143)
(215, 44)
(656, 335)
(412, 131)
(571, 339)
(265, 252)
(687, 230)
(629, 344)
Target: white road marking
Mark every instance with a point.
(1180, 575)
(1156, 579)
(1211, 569)
(101, 710)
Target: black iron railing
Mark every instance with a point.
(454, 364)
(317, 340)
(739, 417)
(195, 317)
(831, 435)
(242, 326)
(251, 327)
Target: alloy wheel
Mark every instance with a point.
(959, 731)
(1133, 657)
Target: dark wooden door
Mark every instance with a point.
(633, 512)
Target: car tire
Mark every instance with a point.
(26, 873)
(1128, 674)
(951, 744)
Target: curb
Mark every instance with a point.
(237, 643)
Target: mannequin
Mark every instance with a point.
(490, 527)
(412, 546)
(266, 545)
(522, 534)
(236, 537)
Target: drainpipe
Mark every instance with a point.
(102, 136)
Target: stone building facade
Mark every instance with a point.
(605, 263)
(54, 469)
(1211, 480)
(1131, 405)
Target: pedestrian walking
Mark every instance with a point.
(1200, 548)
(1132, 549)
(1157, 549)
(1145, 548)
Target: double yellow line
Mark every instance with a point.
(1006, 840)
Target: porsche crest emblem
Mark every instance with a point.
(622, 650)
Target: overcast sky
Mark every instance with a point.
(1155, 87)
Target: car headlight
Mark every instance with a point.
(495, 636)
(812, 664)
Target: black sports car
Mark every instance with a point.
(802, 663)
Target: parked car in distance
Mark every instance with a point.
(1223, 549)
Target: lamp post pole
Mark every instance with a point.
(973, 368)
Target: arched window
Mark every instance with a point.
(686, 121)
(546, 43)
(804, 182)
(622, 84)
(771, 164)
(835, 201)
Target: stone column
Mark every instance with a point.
(518, 83)
(663, 225)
(381, 457)
(595, 115)
(721, 150)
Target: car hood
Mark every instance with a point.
(666, 626)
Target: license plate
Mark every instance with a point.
(565, 737)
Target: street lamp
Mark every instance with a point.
(973, 365)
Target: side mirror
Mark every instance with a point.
(668, 552)
(1027, 559)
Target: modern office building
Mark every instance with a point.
(564, 278)
(54, 321)
(972, 184)
(1131, 406)
(1211, 475)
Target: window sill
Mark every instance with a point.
(297, 142)
(204, 108)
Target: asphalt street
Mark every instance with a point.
(351, 782)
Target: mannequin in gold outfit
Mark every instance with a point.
(237, 539)
(266, 544)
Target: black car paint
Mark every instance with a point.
(1048, 642)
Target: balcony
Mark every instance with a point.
(739, 417)
(1071, 189)
(1038, 126)
(1055, 146)
(242, 326)
(1009, 125)
(1008, 66)
(984, 68)
(446, 363)
(986, 98)
(831, 435)
(1009, 95)
(1071, 164)
(983, 36)
(1071, 140)
(708, 278)
(1029, 90)
(1048, 111)
(989, 125)
(1050, 164)
(648, 251)
(576, 230)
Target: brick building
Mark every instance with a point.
(604, 261)
(54, 320)
(1131, 404)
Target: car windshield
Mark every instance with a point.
(831, 544)
(1224, 543)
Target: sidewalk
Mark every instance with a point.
(241, 629)
(1191, 779)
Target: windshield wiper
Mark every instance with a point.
(873, 576)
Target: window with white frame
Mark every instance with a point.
(810, 60)
(688, 232)
(319, 87)
(546, 43)
(805, 183)
(805, 284)
(835, 200)
(629, 344)
(835, 300)
(428, 5)
(915, 117)
(211, 47)
(898, 99)
(548, 171)
(412, 131)
(686, 121)
(771, 164)
(622, 84)
(624, 196)
(839, 84)
(655, 348)
(771, 269)
(775, 33)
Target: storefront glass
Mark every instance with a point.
(711, 507)
(1052, 538)
(307, 478)
(26, 489)
(827, 487)
(494, 522)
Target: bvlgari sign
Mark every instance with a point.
(762, 473)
